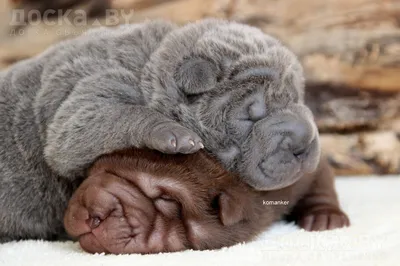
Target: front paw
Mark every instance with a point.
(321, 218)
(173, 138)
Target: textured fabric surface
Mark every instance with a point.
(373, 205)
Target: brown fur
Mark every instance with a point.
(141, 201)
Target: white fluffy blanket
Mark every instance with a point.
(373, 205)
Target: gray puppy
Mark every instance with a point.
(218, 84)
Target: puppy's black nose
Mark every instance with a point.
(298, 136)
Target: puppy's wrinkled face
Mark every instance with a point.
(256, 103)
(145, 202)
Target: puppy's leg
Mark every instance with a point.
(319, 209)
(105, 113)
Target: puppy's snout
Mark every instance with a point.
(284, 146)
(298, 136)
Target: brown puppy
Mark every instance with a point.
(141, 201)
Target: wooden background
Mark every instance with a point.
(350, 50)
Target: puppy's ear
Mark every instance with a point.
(231, 207)
(196, 75)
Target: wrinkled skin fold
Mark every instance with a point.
(142, 201)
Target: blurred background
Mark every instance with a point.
(350, 50)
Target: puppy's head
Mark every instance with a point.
(141, 201)
(249, 88)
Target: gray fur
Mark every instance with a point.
(215, 83)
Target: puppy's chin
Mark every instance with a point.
(117, 217)
(264, 170)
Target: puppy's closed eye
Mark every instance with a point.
(168, 206)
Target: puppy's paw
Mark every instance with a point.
(173, 138)
(321, 218)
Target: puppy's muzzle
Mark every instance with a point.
(284, 146)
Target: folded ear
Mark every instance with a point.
(196, 75)
(231, 208)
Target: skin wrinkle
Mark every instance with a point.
(63, 99)
(138, 216)
(133, 237)
(125, 215)
(151, 232)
